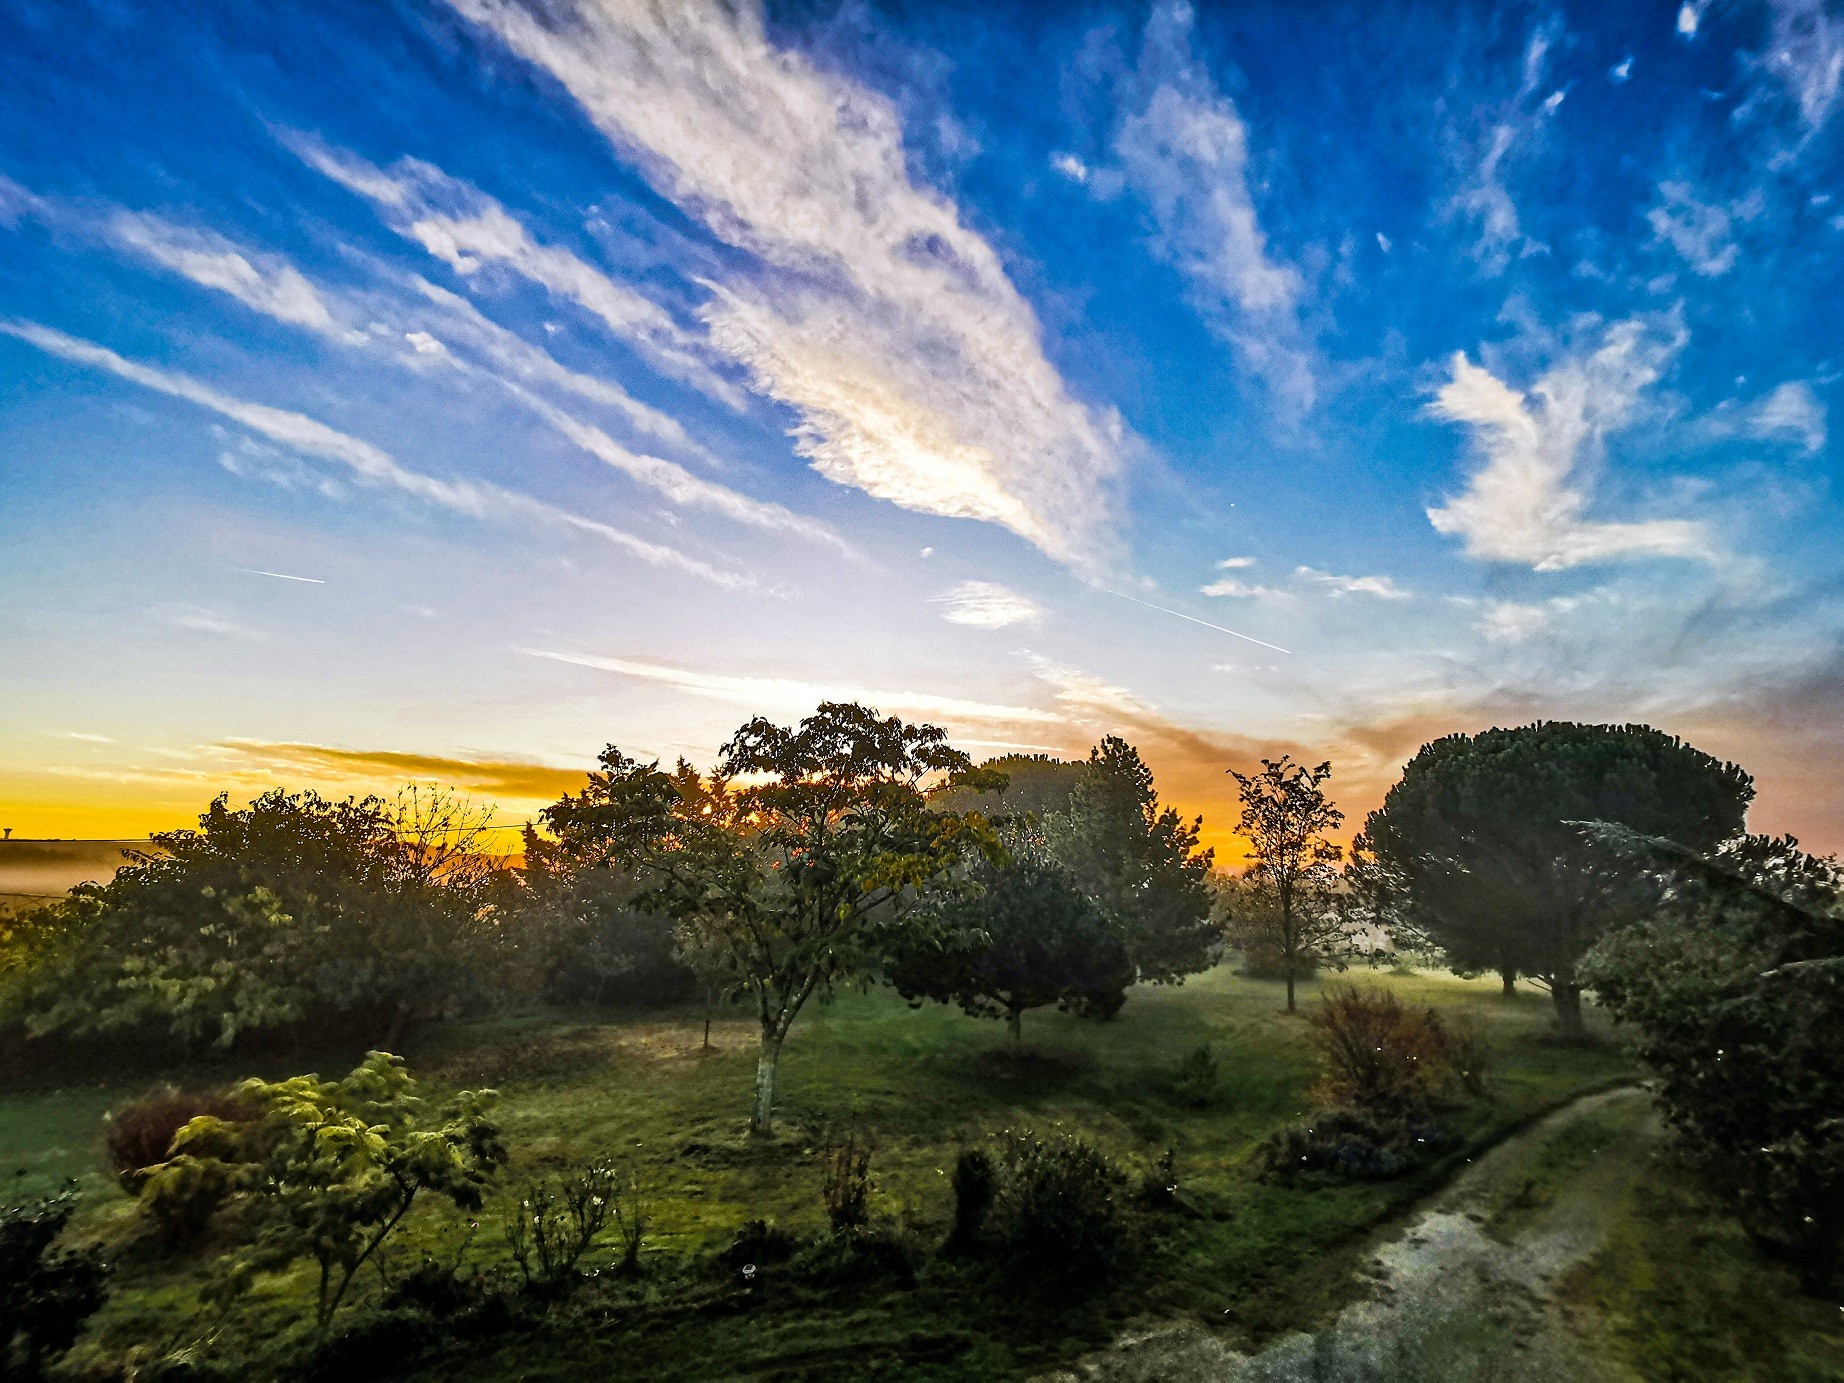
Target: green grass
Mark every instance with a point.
(1252, 1258)
(1679, 1293)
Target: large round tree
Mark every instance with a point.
(1479, 844)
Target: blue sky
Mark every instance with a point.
(451, 389)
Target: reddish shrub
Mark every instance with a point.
(1385, 1056)
(137, 1137)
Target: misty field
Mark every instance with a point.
(1248, 1257)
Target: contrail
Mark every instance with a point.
(1246, 638)
(283, 576)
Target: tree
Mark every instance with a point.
(290, 910)
(784, 883)
(328, 1170)
(1139, 862)
(1027, 939)
(1477, 835)
(1292, 864)
(1735, 979)
(46, 1292)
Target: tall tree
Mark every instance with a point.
(1026, 939)
(1293, 865)
(1479, 834)
(1139, 861)
(780, 883)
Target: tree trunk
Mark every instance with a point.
(1290, 989)
(1509, 975)
(399, 1021)
(707, 1032)
(761, 1119)
(1567, 997)
(1014, 1022)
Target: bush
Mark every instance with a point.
(1057, 1211)
(46, 1293)
(139, 1137)
(1351, 1145)
(973, 1192)
(1198, 1081)
(555, 1222)
(1382, 1056)
(847, 1186)
(759, 1243)
(862, 1253)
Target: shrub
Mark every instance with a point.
(1159, 1187)
(759, 1242)
(863, 1253)
(1198, 1081)
(1057, 1210)
(46, 1293)
(1381, 1055)
(138, 1137)
(1350, 1145)
(847, 1185)
(973, 1192)
(555, 1222)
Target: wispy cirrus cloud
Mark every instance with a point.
(1701, 232)
(1380, 587)
(1790, 412)
(914, 366)
(472, 233)
(368, 463)
(1527, 502)
(790, 695)
(1183, 148)
(268, 284)
(986, 605)
(1486, 157)
(516, 778)
(1805, 51)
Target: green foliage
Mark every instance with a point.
(1288, 908)
(1139, 862)
(847, 1183)
(289, 911)
(1026, 939)
(780, 883)
(139, 1136)
(1057, 1213)
(1198, 1081)
(1738, 992)
(1351, 1144)
(556, 1221)
(329, 1169)
(46, 1293)
(1475, 848)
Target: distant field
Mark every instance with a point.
(33, 871)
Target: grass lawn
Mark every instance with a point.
(1249, 1258)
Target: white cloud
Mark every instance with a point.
(1484, 196)
(987, 606)
(1790, 411)
(1232, 589)
(1184, 150)
(424, 343)
(916, 369)
(1070, 167)
(1383, 243)
(201, 620)
(1690, 15)
(471, 232)
(265, 283)
(1805, 49)
(790, 695)
(1622, 71)
(1507, 621)
(1699, 231)
(1382, 587)
(370, 464)
(1527, 502)
(1235, 563)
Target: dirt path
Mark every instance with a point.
(1467, 1289)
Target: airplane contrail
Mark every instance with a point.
(283, 576)
(1246, 638)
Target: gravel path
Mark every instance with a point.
(1466, 1290)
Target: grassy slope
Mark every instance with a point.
(922, 1083)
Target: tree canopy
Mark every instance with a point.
(1139, 861)
(779, 867)
(1480, 843)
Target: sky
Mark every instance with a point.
(442, 391)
